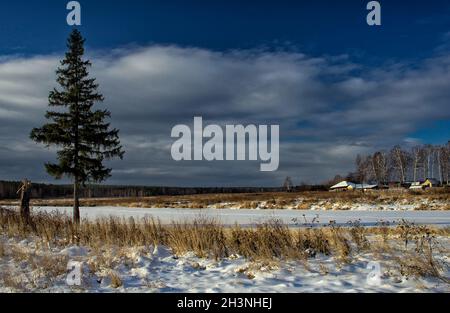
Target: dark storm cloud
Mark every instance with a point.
(328, 108)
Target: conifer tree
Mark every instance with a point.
(81, 133)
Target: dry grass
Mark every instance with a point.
(205, 237)
(2, 249)
(49, 265)
(36, 269)
(11, 281)
(421, 261)
(418, 266)
(341, 243)
(267, 242)
(313, 241)
(116, 281)
(269, 200)
(358, 235)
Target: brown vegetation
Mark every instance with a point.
(267, 242)
(438, 198)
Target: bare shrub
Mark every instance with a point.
(383, 230)
(420, 261)
(406, 231)
(358, 235)
(340, 243)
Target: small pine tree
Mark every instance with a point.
(81, 133)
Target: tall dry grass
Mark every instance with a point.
(205, 237)
(270, 241)
(420, 261)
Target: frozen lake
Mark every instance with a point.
(254, 216)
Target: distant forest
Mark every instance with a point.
(8, 190)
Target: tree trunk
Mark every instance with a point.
(76, 202)
(432, 165)
(415, 168)
(441, 180)
(25, 192)
(375, 172)
(425, 167)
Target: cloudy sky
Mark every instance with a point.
(336, 86)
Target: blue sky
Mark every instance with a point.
(411, 29)
(336, 86)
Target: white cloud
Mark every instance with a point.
(328, 109)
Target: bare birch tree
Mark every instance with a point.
(400, 161)
(417, 154)
(443, 163)
(379, 165)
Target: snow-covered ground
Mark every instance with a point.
(155, 269)
(28, 265)
(318, 204)
(252, 216)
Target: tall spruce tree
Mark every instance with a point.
(80, 132)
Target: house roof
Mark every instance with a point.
(346, 184)
(343, 184)
(365, 186)
(432, 180)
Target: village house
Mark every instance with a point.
(424, 184)
(348, 186)
(343, 186)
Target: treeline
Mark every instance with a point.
(8, 190)
(404, 165)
